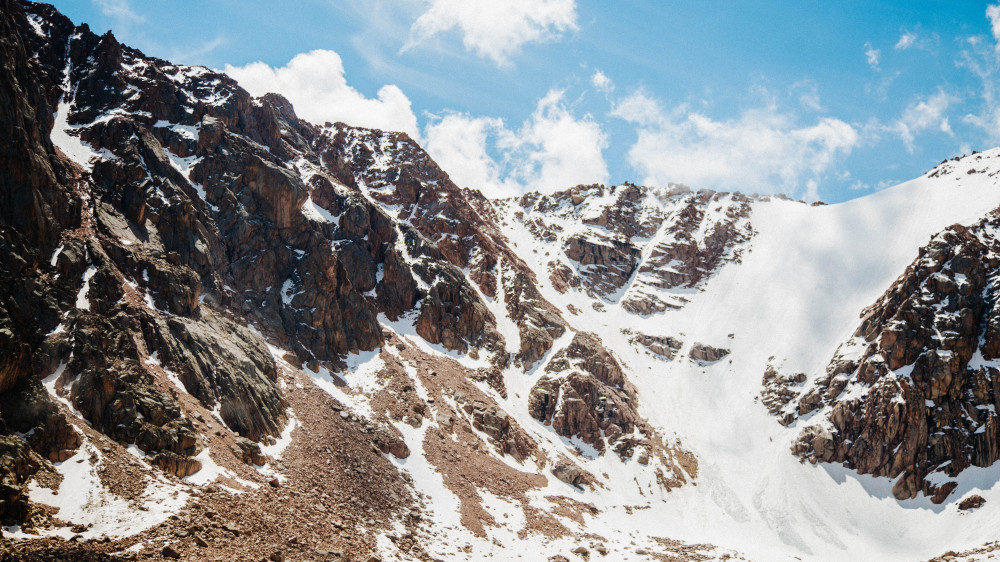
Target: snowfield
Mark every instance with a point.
(804, 279)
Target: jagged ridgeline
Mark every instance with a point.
(226, 332)
(178, 253)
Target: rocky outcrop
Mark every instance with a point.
(451, 313)
(706, 354)
(643, 247)
(974, 501)
(914, 393)
(498, 425)
(779, 391)
(605, 264)
(16, 466)
(664, 347)
(538, 322)
(29, 410)
(586, 398)
(585, 395)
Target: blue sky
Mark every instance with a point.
(819, 100)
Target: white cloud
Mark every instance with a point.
(762, 150)
(550, 151)
(923, 115)
(458, 143)
(872, 55)
(906, 40)
(808, 93)
(601, 81)
(993, 14)
(315, 84)
(495, 29)
(119, 9)
(916, 40)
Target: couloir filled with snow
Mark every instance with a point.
(805, 276)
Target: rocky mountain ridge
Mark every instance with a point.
(211, 306)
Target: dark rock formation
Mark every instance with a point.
(585, 394)
(914, 392)
(605, 263)
(704, 353)
(665, 347)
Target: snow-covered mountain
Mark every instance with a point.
(227, 332)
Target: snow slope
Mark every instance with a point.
(805, 277)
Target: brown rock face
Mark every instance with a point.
(974, 501)
(585, 396)
(605, 264)
(909, 395)
(452, 314)
(633, 244)
(704, 353)
(665, 347)
(537, 320)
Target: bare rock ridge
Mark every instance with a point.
(646, 248)
(172, 245)
(913, 395)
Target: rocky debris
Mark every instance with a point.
(706, 354)
(905, 396)
(974, 501)
(249, 452)
(664, 347)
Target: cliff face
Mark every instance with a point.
(913, 395)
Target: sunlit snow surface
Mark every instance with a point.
(81, 499)
(807, 274)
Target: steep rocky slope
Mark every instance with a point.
(229, 333)
(180, 258)
(913, 394)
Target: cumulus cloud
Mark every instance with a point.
(762, 150)
(922, 115)
(993, 14)
(495, 29)
(872, 55)
(459, 143)
(316, 85)
(550, 151)
(601, 81)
